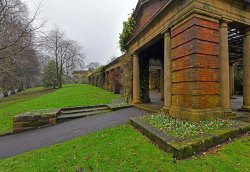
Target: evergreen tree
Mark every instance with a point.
(49, 77)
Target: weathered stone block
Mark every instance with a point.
(195, 46)
(53, 121)
(195, 22)
(196, 60)
(32, 120)
(196, 101)
(196, 74)
(196, 88)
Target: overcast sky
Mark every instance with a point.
(94, 24)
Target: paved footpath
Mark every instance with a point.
(16, 144)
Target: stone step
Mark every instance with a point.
(80, 115)
(85, 110)
(83, 107)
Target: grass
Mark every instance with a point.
(183, 129)
(123, 149)
(24, 95)
(38, 99)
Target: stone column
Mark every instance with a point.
(162, 83)
(246, 77)
(224, 66)
(231, 74)
(136, 79)
(167, 72)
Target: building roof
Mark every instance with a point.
(80, 72)
(139, 4)
(114, 61)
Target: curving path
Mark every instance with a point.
(19, 143)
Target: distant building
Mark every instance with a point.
(79, 76)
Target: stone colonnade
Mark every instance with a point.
(205, 94)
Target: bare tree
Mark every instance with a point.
(15, 26)
(93, 66)
(68, 54)
(19, 64)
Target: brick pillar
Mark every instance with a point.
(167, 72)
(196, 70)
(136, 79)
(224, 66)
(246, 63)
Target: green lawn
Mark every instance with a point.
(38, 98)
(24, 95)
(123, 149)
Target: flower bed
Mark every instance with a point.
(184, 139)
(184, 129)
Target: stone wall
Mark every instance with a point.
(27, 121)
(110, 80)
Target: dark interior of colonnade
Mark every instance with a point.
(236, 44)
(151, 73)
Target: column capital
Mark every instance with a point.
(247, 31)
(166, 32)
(135, 54)
(223, 24)
(224, 20)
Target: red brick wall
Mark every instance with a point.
(147, 12)
(195, 69)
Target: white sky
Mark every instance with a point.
(95, 24)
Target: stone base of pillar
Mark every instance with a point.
(136, 102)
(228, 113)
(245, 108)
(166, 110)
(196, 115)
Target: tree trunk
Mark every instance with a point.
(13, 89)
(60, 76)
(20, 87)
(5, 88)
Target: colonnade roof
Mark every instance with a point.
(236, 43)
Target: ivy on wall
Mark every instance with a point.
(144, 80)
(127, 77)
(127, 32)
